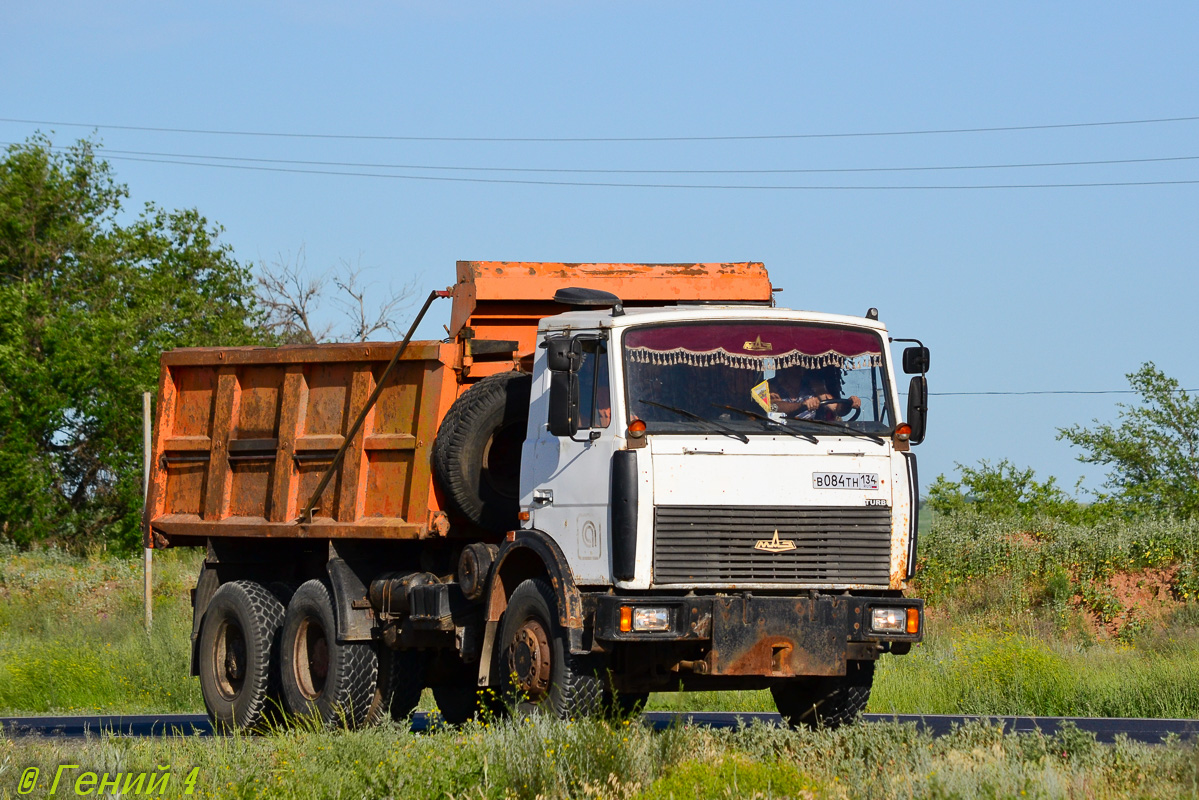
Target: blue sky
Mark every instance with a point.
(1013, 289)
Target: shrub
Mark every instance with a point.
(731, 777)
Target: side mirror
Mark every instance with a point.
(564, 356)
(917, 405)
(915, 360)
(564, 403)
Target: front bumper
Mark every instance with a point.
(748, 635)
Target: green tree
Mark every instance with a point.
(1153, 450)
(87, 305)
(1001, 490)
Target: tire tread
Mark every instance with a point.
(264, 618)
(827, 702)
(349, 695)
(579, 689)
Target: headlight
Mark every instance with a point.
(895, 620)
(888, 620)
(651, 619)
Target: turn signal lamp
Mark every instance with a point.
(903, 432)
(626, 619)
(913, 621)
(644, 619)
(637, 429)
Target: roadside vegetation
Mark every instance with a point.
(627, 761)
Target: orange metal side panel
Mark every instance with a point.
(245, 434)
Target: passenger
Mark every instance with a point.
(814, 400)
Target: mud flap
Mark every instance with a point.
(355, 619)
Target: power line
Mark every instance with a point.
(609, 171)
(1062, 391)
(588, 139)
(623, 185)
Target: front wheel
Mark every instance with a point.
(540, 674)
(827, 702)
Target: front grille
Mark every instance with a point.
(705, 544)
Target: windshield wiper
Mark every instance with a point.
(772, 422)
(741, 437)
(841, 426)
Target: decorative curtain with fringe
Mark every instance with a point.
(754, 346)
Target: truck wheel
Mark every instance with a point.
(476, 456)
(460, 704)
(398, 690)
(540, 673)
(625, 705)
(323, 678)
(238, 656)
(826, 702)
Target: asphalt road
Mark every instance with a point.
(1106, 729)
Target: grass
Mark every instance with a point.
(1044, 555)
(969, 669)
(592, 759)
(72, 639)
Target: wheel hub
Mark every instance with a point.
(229, 660)
(529, 660)
(234, 663)
(311, 658)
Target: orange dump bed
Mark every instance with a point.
(244, 435)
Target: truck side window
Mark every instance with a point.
(595, 399)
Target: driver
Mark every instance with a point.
(814, 400)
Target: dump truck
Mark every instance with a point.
(607, 480)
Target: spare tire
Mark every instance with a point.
(476, 456)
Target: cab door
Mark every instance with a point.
(570, 475)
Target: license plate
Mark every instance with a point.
(844, 480)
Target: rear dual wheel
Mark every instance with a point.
(263, 650)
(238, 655)
(322, 678)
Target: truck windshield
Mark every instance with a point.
(792, 373)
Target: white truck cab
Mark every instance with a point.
(732, 492)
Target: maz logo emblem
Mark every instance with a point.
(758, 346)
(775, 545)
